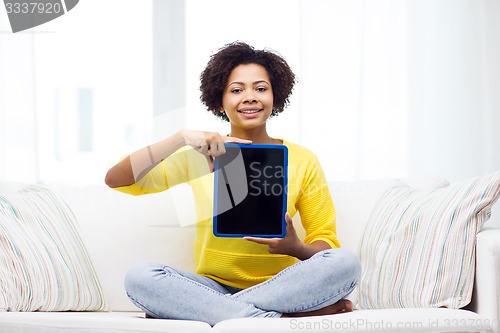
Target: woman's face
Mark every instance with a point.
(248, 97)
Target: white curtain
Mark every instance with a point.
(18, 130)
(76, 92)
(454, 109)
(405, 88)
(386, 87)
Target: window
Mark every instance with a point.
(93, 83)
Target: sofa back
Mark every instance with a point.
(121, 230)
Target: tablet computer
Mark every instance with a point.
(250, 198)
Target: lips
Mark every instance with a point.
(249, 111)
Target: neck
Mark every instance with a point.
(257, 135)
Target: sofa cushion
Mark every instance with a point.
(121, 230)
(94, 322)
(418, 249)
(354, 201)
(45, 265)
(381, 320)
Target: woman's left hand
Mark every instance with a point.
(290, 244)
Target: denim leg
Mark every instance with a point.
(312, 284)
(165, 292)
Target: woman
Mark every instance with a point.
(250, 277)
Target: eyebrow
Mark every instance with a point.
(254, 83)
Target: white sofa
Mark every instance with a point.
(120, 230)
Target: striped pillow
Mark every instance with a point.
(44, 265)
(418, 249)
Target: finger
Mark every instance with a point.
(213, 149)
(203, 149)
(221, 149)
(210, 161)
(289, 221)
(258, 240)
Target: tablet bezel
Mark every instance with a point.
(284, 184)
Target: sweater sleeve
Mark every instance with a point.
(181, 167)
(316, 208)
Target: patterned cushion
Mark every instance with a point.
(44, 261)
(418, 249)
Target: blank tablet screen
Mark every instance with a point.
(250, 191)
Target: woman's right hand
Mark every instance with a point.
(209, 144)
(133, 167)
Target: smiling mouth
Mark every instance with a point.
(249, 111)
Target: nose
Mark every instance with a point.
(250, 97)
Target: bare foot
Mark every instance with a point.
(342, 306)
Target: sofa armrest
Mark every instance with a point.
(486, 300)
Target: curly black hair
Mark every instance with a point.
(214, 77)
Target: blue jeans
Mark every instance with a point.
(165, 292)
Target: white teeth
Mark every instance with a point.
(248, 112)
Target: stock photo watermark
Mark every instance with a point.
(25, 15)
(363, 324)
(237, 180)
(262, 179)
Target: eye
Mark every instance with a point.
(236, 90)
(261, 89)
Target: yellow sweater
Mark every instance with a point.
(236, 262)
